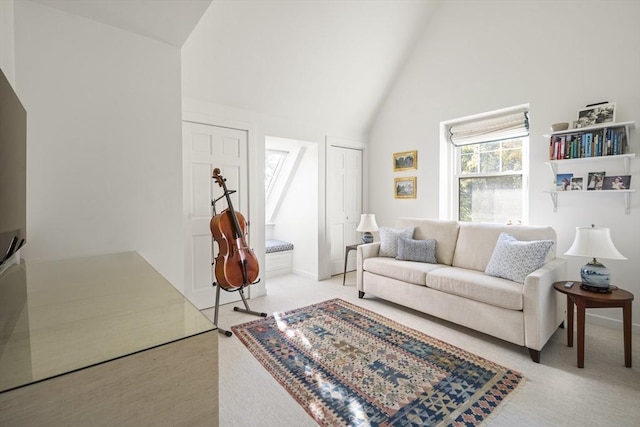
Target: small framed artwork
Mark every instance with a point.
(407, 160)
(594, 180)
(576, 184)
(405, 187)
(616, 182)
(596, 114)
(563, 181)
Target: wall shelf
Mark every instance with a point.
(628, 125)
(625, 158)
(625, 193)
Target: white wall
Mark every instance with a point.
(7, 51)
(104, 148)
(486, 55)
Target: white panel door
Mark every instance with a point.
(345, 202)
(206, 147)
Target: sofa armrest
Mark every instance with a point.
(368, 250)
(542, 305)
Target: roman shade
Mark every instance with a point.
(507, 126)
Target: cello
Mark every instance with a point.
(236, 265)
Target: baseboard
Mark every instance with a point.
(305, 274)
(609, 323)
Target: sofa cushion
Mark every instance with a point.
(445, 233)
(406, 271)
(389, 239)
(417, 250)
(477, 286)
(514, 259)
(476, 242)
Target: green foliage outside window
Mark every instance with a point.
(490, 182)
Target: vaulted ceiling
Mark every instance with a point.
(323, 62)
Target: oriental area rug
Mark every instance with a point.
(348, 366)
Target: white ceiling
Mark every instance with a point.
(329, 63)
(170, 21)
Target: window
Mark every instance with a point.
(489, 161)
(281, 159)
(273, 161)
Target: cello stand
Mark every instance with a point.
(215, 312)
(246, 309)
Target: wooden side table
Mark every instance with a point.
(347, 249)
(586, 299)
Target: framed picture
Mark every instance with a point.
(405, 188)
(616, 182)
(596, 114)
(576, 184)
(563, 181)
(404, 161)
(594, 180)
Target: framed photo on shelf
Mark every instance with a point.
(616, 182)
(594, 180)
(596, 114)
(576, 184)
(407, 160)
(563, 181)
(405, 187)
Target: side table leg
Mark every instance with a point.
(626, 320)
(346, 257)
(581, 317)
(569, 322)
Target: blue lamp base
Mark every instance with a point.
(595, 274)
(367, 237)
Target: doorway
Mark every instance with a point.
(291, 199)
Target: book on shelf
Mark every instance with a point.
(608, 141)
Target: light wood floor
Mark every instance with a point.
(556, 392)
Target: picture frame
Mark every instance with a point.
(596, 114)
(616, 182)
(405, 187)
(577, 184)
(595, 180)
(406, 160)
(563, 181)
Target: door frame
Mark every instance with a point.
(324, 245)
(255, 157)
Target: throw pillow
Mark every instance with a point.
(515, 260)
(389, 239)
(417, 250)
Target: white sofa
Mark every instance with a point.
(457, 289)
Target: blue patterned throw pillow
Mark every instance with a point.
(417, 250)
(515, 260)
(389, 240)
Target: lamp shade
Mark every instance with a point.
(594, 242)
(367, 223)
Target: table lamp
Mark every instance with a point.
(594, 242)
(367, 226)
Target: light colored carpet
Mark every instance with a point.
(556, 393)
